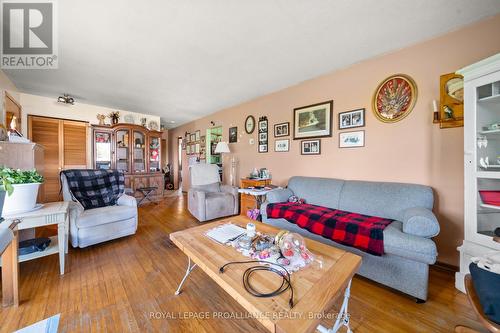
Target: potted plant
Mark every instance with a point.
(19, 189)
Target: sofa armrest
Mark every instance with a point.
(279, 195)
(196, 204)
(420, 221)
(127, 200)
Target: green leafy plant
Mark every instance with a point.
(9, 177)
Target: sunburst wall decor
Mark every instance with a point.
(394, 98)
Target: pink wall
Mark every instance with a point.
(413, 150)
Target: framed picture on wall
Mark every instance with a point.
(313, 121)
(192, 138)
(233, 134)
(197, 135)
(188, 137)
(282, 145)
(352, 139)
(310, 147)
(263, 148)
(197, 148)
(351, 119)
(282, 129)
(188, 149)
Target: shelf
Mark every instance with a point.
(497, 131)
(488, 174)
(489, 206)
(53, 248)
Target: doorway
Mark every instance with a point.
(179, 159)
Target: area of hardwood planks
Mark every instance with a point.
(128, 285)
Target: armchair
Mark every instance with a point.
(207, 198)
(93, 226)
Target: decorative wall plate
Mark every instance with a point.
(394, 98)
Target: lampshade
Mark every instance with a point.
(222, 147)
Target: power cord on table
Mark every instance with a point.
(285, 275)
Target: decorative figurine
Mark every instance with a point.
(114, 116)
(101, 118)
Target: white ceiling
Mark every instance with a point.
(182, 59)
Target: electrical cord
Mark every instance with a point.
(284, 274)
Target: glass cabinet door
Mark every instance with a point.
(102, 150)
(154, 154)
(139, 143)
(488, 127)
(122, 150)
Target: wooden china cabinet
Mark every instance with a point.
(133, 149)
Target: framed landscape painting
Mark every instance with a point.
(313, 121)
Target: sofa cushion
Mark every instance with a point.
(97, 216)
(218, 204)
(421, 222)
(317, 191)
(388, 200)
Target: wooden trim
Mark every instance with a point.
(447, 267)
(65, 119)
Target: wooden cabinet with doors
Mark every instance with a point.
(133, 149)
(248, 202)
(65, 144)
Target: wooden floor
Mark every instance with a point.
(128, 285)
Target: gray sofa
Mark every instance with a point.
(408, 247)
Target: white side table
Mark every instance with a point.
(51, 213)
(259, 194)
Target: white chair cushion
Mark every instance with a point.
(103, 215)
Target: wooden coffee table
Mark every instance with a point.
(315, 288)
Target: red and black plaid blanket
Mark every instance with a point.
(360, 231)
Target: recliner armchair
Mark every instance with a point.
(93, 226)
(207, 198)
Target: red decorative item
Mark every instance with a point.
(394, 98)
(490, 197)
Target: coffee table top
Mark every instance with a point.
(315, 289)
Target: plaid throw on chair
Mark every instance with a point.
(360, 231)
(95, 188)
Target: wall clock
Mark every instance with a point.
(394, 98)
(249, 124)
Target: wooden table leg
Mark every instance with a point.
(10, 273)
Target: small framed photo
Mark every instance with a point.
(263, 148)
(352, 119)
(197, 148)
(263, 124)
(352, 139)
(282, 129)
(188, 149)
(282, 145)
(203, 140)
(192, 137)
(197, 135)
(263, 136)
(188, 137)
(310, 147)
(233, 134)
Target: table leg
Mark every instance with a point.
(10, 273)
(61, 238)
(342, 317)
(188, 271)
(66, 234)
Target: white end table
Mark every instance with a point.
(51, 213)
(259, 194)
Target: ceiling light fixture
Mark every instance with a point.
(66, 99)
